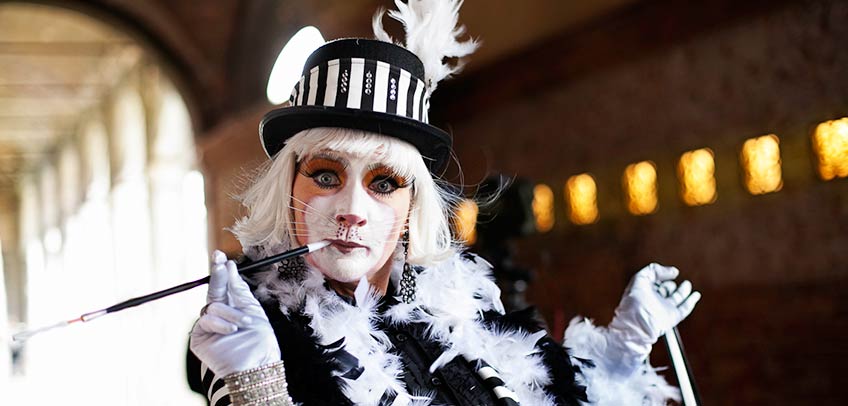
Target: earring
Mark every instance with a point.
(407, 279)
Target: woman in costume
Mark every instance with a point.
(393, 312)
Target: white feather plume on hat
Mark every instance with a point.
(431, 34)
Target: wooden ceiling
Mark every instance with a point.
(54, 65)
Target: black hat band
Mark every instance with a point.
(363, 84)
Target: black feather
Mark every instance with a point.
(315, 381)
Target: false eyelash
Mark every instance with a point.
(305, 168)
(384, 172)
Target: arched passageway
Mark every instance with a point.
(102, 200)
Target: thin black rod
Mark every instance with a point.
(244, 269)
(675, 346)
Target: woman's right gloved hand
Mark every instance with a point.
(233, 333)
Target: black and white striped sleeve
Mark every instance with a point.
(214, 387)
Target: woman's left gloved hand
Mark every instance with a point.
(652, 305)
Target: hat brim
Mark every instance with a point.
(279, 125)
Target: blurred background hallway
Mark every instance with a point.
(709, 135)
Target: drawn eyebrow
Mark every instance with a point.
(380, 165)
(331, 156)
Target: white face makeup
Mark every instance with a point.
(358, 203)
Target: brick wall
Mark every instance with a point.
(772, 326)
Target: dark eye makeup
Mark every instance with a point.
(385, 180)
(384, 185)
(325, 179)
(327, 171)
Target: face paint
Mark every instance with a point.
(356, 202)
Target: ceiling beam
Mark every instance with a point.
(73, 49)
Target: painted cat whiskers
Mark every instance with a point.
(354, 200)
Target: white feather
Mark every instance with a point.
(377, 25)
(361, 293)
(604, 386)
(431, 33)
(452, 296)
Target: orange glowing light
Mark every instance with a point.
(830, 143)
(466, 221)
(582, 196)
(761, 163)
(543, 207)
(640, 187)
(696, 170)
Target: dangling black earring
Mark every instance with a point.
(407, 279)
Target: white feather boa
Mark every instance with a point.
(431, 34)
(451, 298)
(605, 384)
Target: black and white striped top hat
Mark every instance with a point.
(360, 84)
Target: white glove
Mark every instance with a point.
(652, 305)
(233, 333)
